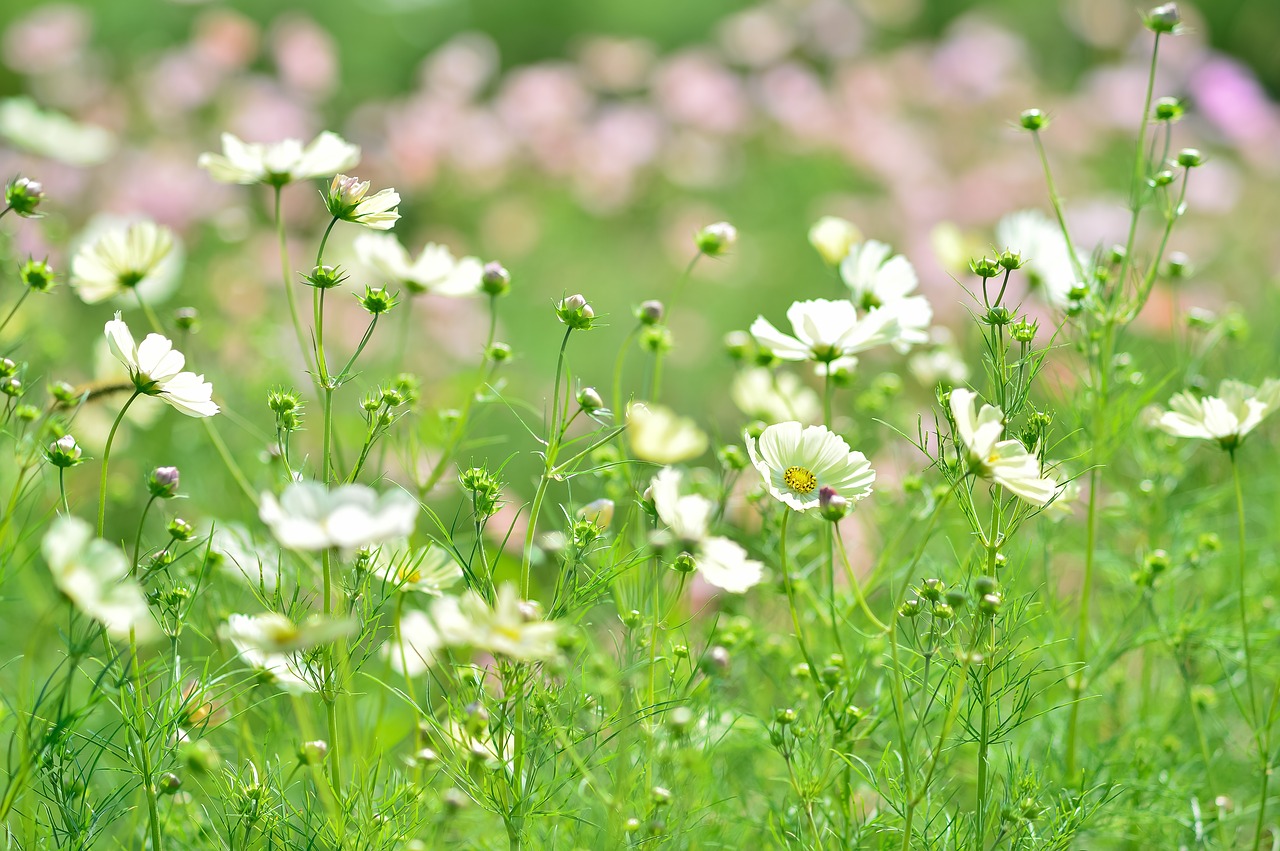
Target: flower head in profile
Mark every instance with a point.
(832, 237)
(511, 627)
(879, 279)
(1006, 462)
(797, 462)
(433, 271)
(774, 397)
(155, 368)
(310, 517)
(660, 435)
(427, 570)
(279, 163)
(1226, 418)
(825, 331)
(94, 576)
(275, 645)
(1044, 252)
(348, 199)
(120, 260)
(720, 561)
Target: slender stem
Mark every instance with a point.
(553, 446)
(853, 581)
(137, 540)
(152, 319)
(106, 458)
(62, 490)
(288, 284)
(26, 292)
(144, 749)
(1056, 201)
(228, 460)
(791, 603)
(1137, 190)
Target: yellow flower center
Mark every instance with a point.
(800, 479)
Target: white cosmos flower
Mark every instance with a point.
(310, 516)
(826, 331)
(659, 435)
(1227, 418)
(273, 644)
(720, 561)
(52, 134)
(797, 462)
(348, 199)
(878, 280)
(774, 397)
(832, 237)
(1006, 462)
(94, 575)
(280, 162)
(421, 635)
(155, 367)
(242, 557)
(1040, 243)
(428, 570)
(939, 365)
(510, 627)
(120, 260)
(434, 271)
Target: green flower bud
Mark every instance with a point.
(495, 280)
(984, 267)
(324, 277)
(1033, 120)
(377, 300)
(650, 312)
(181, 530)
(23, 196)
(1164, 19)
(36, 275)
(575, 312)
(716, 239)
(162, 482)
(1190, 158)
(64, 452)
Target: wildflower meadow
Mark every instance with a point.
(818, 424)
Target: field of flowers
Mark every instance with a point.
(814, 424)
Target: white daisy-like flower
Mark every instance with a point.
(826, 331)
(1226, 418)
(941, 365)
(242, 557)
(1042, 247)
(797, 462)
(120, 260)
(1006, 462)
(434, 271)
(832, 237)
(427, 570)
(879, 279)
(155, 367)
(309, 516)
(52, 134)
(94, 576)
(510, 627)
(421, 635)
(348, 199)
(720, 561)
(279, 163)
(275, 634)
(774, 397)
(659, 435)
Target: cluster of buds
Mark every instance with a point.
(485, 490)
(575, 312)
(23, 195)
(287, 406)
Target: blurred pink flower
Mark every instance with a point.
(460, 68)
(757, 37)
(616, 65)
(693, 88)
(48, 38)
(226, 39)
(1228, 94)
(305, 54)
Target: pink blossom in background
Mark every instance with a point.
(305, 55)
(757, 37)
(977, 60)
(694, 89)
(226, 39)
(461, 68)
(616, 65)
(47, 39)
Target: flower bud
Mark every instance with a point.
(589, 400)
(684, 563)
(738, 344)
(784, 716)
(344, 194)
(732, 457)
(1163, 19)
(1033, 120)
(650, 312)
(181, 530)
(162, 483)
(1024, 331)
(64, 452)
(716, 661)
(632, 619)
(23, 196)
(998, 315)
(943, 611)
(324, 277)
(656, 339)
(1178, 265)
(64, 393)
(169, 784)
(495, 280)
(832, 505)
(7, 367)
(910, 608)
(984, 585)
(187, 319)
(1169, 109)
(1010, 260)
(932, 589)
(499, 353)
(313, 752)
(716, 239)
(575, 312)
(36, 275)
(956, 598)
(1190, 158)
(984, 267)
(1163, 178)
(989, 604)
(376, 300)
(832, 237)
(11, 387)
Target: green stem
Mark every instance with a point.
(1252, 716)
(288, 284)
(144, 749)
(553, 446)
(791, 604)
(106, 458)
(26, 292)
(1137, 190)
(1056, 201)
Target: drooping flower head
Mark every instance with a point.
(94, 575)
(826, 331)
(311, 517)
(720, 561)
(879, 279)
(279, 163)
(797, 462)
(434, 271)
(155, 368)
(120, 260)
(348, 199)
(1226, 418)
(1006, 462)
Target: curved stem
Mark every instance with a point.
(106, 458)
(26, 292)
(290, 297)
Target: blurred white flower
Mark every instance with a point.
(942, 365)
(51, 134)
(659, 435)
(155, 367)
(796, 463)
(826, 331)
(310, 516)
(1006, 462)
(1064, 504)
(832, 237)
(434, 271)
(428, 570)
(720, 561)
(774, 397)
(348, 199)
(510, 627)
(421, 635)
(120, 260)
(877, 280)
(279, 163)
(275, 634)
(1040, 243)
(1226, 418)
(244, 558)
(94, 575)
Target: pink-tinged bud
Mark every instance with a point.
(495, 280)
(163, 482)
(832, 505)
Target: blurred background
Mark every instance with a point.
(582, 143)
